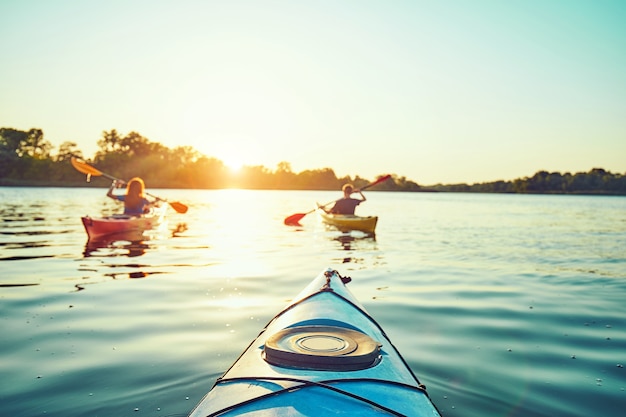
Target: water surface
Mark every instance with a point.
(503, 305)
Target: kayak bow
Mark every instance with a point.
(323, 354)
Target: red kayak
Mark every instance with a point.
(97, 227)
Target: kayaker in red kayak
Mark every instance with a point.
(347, 204)
(135, 201)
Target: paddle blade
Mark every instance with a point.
(378, 181)
(294, 219)
(179, 207)
(85, 168)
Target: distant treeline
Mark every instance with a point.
(596, 181)
(27, 159)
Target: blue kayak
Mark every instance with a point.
(321, 355)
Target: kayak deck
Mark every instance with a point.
(347, 222)
(323, 354)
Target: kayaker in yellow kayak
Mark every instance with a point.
(135, 201)
(347, 204)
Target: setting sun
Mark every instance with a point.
(234, 165)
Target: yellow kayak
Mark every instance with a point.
(347, 222)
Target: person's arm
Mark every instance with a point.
(147, 205)
(321, 207)
(361, 194)
(110, 192)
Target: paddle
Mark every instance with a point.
(89, 170)
(295, 218)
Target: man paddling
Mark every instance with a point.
(347, 204)
(294, 219)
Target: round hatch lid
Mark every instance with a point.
(324, 348)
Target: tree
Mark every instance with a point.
(35, 145)
(67, 150)
(184, 155)
(10, 140)
(136, 145)
(110, 142)
(283, 177)
(22, 143)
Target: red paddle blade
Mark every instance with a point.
(179, 207)
(381, 179)
(294, 219)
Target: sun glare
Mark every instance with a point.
(233, 165)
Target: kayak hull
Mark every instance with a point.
(99, 227)
(347, 222)
(323, 354)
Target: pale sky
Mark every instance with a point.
(437, 91)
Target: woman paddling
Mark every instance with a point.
(135, 201)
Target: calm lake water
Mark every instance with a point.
(503, 305)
